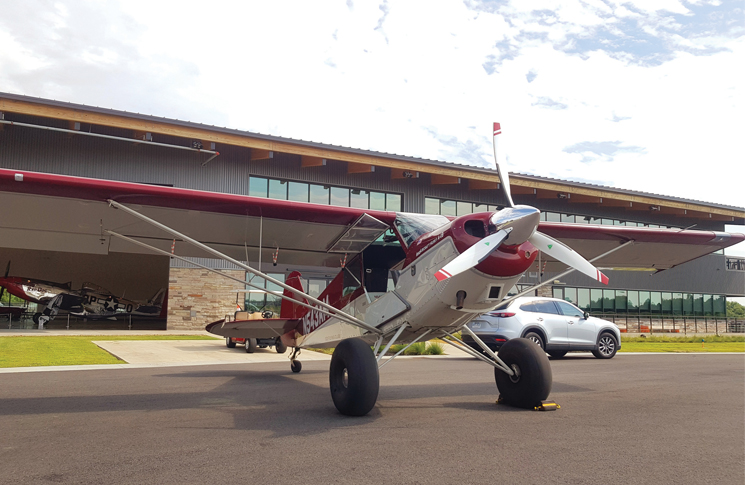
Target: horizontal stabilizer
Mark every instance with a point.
(262, 328)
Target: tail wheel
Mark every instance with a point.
(279, 346)
(531, 383)
(353, 377)
(251, 345)
(229, 343)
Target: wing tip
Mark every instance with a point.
(497, 128)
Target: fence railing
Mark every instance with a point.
(674, 323)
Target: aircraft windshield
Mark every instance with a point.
(412, 226)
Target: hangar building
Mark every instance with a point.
(49, 136)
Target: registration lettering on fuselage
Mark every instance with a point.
(314, 318)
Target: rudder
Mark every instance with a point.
(289, 309)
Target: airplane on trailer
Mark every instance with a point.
(445, 270)
(90, 301)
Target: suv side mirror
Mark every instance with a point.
(586, 314)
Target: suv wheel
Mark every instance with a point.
(607, 346)
(536, 339)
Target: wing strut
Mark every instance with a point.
(247, 283)
(335, 311)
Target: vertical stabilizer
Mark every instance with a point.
(289, 309)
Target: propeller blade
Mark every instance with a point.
(504, 177)
(566, 255)
(473, 255)
(7, 269)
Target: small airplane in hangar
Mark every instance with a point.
(90, 301)
(445, 270)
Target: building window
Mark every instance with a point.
(570, 295)
(257, 187)
(359, 199)
(339, 196)
(393, 202)
(377, 201)
(297, 192)
(621, 301)
(323, 194)
(277, 189)
(656, 302)
(447, 208)
(319, 194)
(720, 306)
(637, 302)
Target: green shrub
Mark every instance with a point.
(434, 348)
(416, 349)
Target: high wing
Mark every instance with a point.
(64, 213)
(657, 249)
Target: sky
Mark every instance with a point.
(644, 95)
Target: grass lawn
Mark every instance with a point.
(712, 343)
(72, 350)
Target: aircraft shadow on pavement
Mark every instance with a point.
(270, 400)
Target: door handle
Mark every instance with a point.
(571, 322)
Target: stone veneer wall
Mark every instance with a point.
(197, 297)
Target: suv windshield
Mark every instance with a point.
(411, 226)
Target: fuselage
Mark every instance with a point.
(419, 300)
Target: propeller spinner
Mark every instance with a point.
(515, 225)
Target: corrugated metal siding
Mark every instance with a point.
(67, 154)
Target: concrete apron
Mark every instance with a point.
(166, 353)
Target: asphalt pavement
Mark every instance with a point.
(664, 418)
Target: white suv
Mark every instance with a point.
(556, 325)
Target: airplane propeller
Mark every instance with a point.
(516, 224)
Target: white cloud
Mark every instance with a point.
(660, 76)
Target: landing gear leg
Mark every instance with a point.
(295, 365)
(353, 377)
(531, 382)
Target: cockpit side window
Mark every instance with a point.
(412, 226)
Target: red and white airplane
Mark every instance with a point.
(445, 271)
